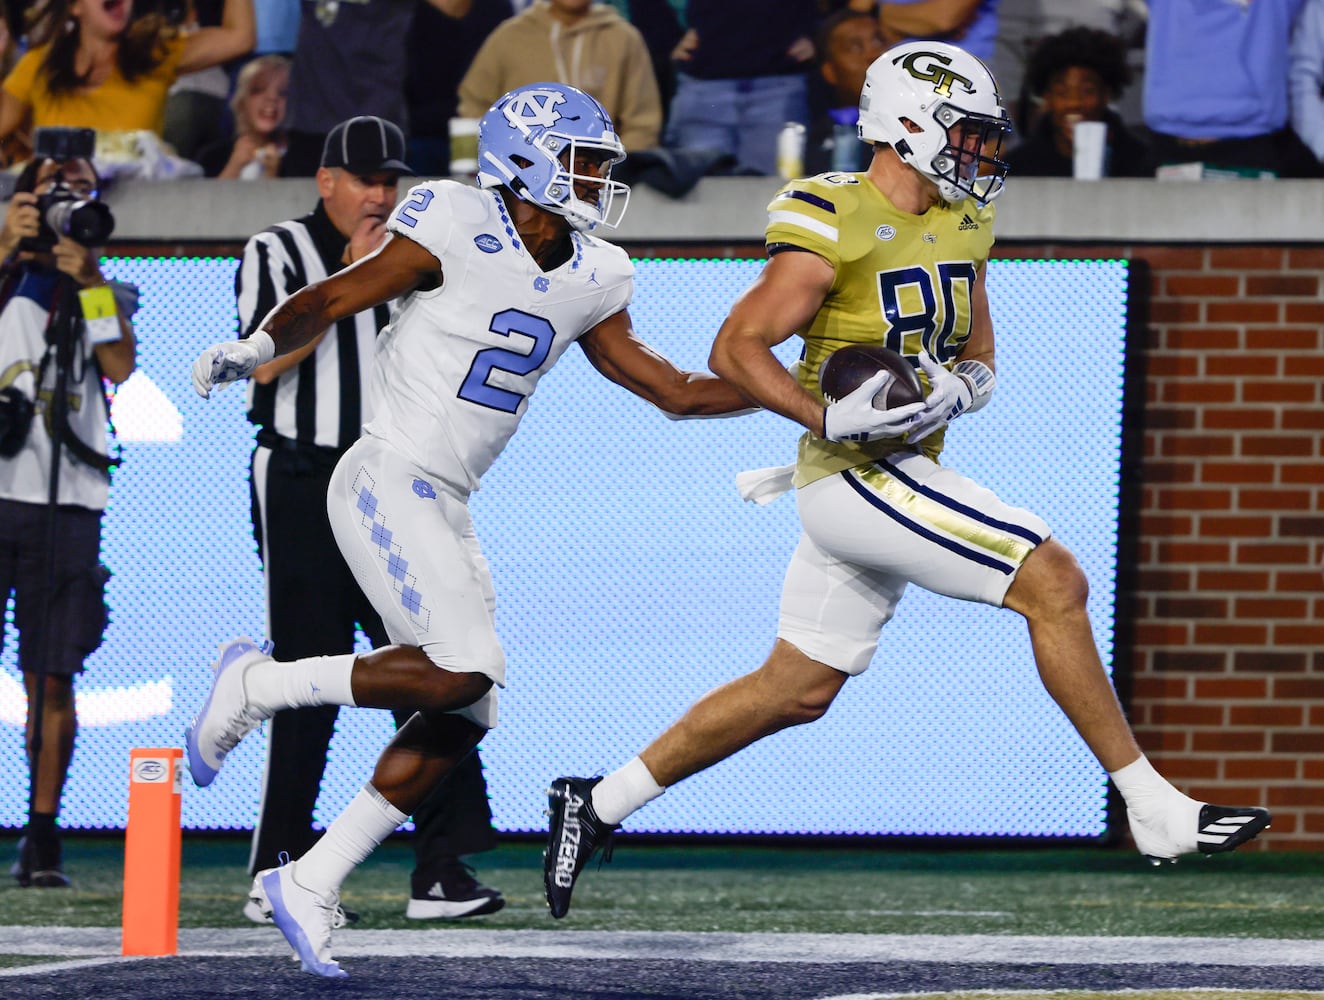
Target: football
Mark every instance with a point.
(846, 368)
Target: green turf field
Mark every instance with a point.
(1110, 892)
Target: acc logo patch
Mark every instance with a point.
(151, 771)
(424, 489)
(885, 232)
(487, 243)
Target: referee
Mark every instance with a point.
(308, 407)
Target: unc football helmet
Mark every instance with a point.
(953, 100)
(529, 141)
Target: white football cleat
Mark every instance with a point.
(226, 717)
(304, 917)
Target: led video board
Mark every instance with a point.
(630, 578)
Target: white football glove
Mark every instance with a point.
(221, 364)
(855, 418)
(949, 396)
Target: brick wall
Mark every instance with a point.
(1227, 692)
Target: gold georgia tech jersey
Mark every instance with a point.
(902, 280)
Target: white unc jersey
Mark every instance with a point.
(456, 367)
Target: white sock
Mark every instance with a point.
(314, 680)
(1154, 803)
(624, 791)
(366, 822)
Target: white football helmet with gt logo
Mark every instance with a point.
(953, 100)
(529, 141)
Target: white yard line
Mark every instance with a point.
(1002, 994)
(79, 963)
(102, 943)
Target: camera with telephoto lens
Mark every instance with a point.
(60, 211)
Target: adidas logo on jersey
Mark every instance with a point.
(967, 222)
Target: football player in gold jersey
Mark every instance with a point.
(896, 253)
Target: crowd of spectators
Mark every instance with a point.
(705, 86)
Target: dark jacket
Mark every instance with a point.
(1127, 156)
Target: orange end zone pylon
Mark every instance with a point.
(151, 852)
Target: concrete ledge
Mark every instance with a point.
(733, 208)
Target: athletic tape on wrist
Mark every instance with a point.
(981, 379)
(265, 345)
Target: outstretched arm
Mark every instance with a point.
(395, 270)
(617, 353)
(368, 237)
(399, 267)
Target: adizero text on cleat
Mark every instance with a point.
(226, 717)
(1225, 828)
(574, 835)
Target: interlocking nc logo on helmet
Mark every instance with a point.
(534, 108)
(942, 78)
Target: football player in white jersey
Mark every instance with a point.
(495, 283)
(876, 509)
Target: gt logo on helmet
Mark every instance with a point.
(534, 108)
(941, 78)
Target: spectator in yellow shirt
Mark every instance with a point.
(100, 67)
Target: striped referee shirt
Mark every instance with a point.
(324, 400)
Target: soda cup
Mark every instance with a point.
(1089, 147)
(791, 151)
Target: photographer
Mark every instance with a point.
(63, 330)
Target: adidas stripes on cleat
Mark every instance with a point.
(1224, 828)
(449, 890)
(574, 835)
(1217, 829)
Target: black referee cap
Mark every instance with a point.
(365, 145)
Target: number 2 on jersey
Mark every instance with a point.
(406, 215)
(475, 387)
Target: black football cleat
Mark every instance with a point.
(39, 864)
(448, 889)
(574, 835)
(1218, 829)
(1225, 828)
